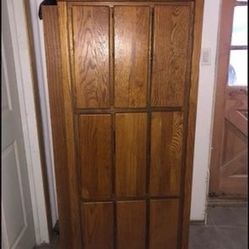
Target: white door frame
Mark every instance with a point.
(22, 59)
(40, 57)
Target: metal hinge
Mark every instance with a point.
(45, 2)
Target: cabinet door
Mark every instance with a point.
(124, 97)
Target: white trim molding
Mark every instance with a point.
(22, 59)
(38, 36)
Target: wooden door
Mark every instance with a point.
(18, 230)
(123, 98)
(229, 150)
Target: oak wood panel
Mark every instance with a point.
(166, 153)
(91, 56)
(95, 151)
(170, 55)
(97, 224)
(66, 86)
(197, 17)
(163, 224)
(131, 40)
(131, 224)
(56, 101)
(130, 153)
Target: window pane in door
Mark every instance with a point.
(237, 73)
(239, 34)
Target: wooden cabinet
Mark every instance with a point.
(123, 84)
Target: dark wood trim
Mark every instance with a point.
(129, 110)
(39, 118)
(131, 1)
(141, 198)
(192, 106)
(188, 84)
(111, 55)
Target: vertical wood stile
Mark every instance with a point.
(112, 76)
(149, 80)
(188, 83)
(192, 105)
(69, 125)
(56, 100)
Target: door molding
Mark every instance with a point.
(22, 60)
(41, 70)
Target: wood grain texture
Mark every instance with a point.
(131, 39)
(166, 153)
(192, 106)
(97, 221)
(131, 154)
(170, 55)
(66, 86)
(163, 224)
(56, 101)
(95, 151)
(91, 56)
(131, 219)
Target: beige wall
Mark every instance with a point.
(205, 111)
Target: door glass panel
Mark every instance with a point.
(237, 73)
(239, 34)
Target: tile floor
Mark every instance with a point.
(226, 228)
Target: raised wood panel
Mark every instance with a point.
(130, 153)
(131, 224)
(97, 224)
(163, 224)
(170, 55)
(91, 56)
(166, 153)
(95, 152)
(131, 40)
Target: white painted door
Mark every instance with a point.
(17, 217)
